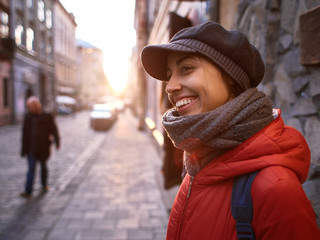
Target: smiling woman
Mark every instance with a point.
(108, 25)
(227, 128)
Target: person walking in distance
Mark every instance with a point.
(227, 128)
(38, 132)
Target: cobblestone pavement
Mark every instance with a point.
(104, 185)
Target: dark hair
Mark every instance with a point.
(234, 86)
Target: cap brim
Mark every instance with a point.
(154, 58)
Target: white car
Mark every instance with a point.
(102, 116)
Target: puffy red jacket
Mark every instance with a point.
(281, 210)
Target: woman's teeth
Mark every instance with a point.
(183, 102)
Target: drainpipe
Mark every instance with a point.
(11, 35)
(143, 36)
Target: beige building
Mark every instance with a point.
(65, 49)
(93, 81)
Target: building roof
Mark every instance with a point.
(84, 44)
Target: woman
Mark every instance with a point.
(228, 128)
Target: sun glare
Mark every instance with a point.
(100, 24)
(117, 75)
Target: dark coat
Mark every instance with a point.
(37, 135)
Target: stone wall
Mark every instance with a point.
(273, 27)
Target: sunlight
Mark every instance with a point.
(108, 25)
(117, 74)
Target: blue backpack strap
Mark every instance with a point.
(241, 205)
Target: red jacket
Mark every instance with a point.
(281, 210)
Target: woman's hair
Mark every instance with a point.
(234, 86)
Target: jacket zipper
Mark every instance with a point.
(191, 181)
(185, 206)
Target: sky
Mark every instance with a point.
(108, 25)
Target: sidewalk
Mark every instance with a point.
(118, 198)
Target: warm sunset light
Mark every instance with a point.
(107, 25)
(116, 71)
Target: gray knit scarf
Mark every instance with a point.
(207, 135)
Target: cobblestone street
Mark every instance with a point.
(103, 185)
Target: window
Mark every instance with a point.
(19, 5)
(41, 10)
(49, 48)
(5, 93)
(19, 34)
(30, 3)
(4, 24)
(42, 44)
(30, 38)
(49, 18)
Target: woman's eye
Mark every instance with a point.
(185, 69)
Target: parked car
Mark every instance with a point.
(64, 110)
(102, 116)
(65, 104)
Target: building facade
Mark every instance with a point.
(33, 63)
(6, 55)
(65, 52)
(155, 23)
(285, 32)
(94, 86)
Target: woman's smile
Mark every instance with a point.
(185, 105)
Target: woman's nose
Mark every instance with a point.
(173, 85)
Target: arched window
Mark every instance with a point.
(30, 39)
(49, 18)
(4, 24)
(19, 34)
(41, 10)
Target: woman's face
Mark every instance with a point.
(195, 85)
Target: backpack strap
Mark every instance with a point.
(241, 205)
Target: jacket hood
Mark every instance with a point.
(274, 145)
